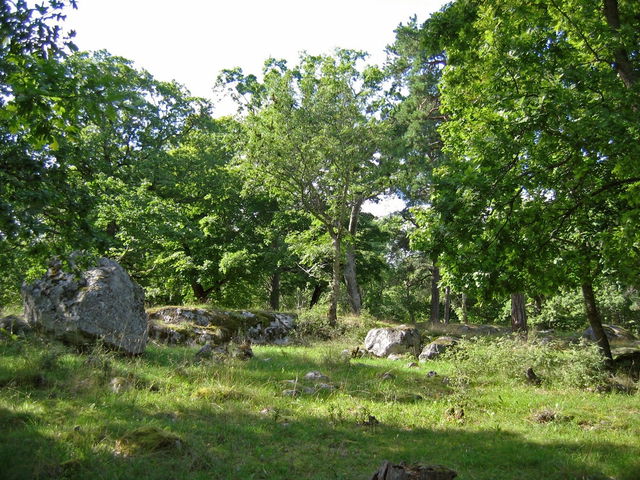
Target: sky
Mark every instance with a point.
(191, 41)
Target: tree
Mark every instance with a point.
(541, 180)
(313, 140)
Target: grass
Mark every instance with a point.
(164, 415)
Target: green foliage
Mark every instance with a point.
(538, 128)
(573, 366)
(565, 311)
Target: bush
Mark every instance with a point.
(578, 365)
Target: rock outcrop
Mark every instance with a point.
(103, 303)
(184, 325)
(383, 342)
(613, 332)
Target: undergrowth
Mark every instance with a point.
(165, 415)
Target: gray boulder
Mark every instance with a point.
(383, 342)
(437, 348)
(103, 303)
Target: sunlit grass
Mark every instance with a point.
(69, 415)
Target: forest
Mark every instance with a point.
(508, 130)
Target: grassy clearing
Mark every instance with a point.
(164, 415)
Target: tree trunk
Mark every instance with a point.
(332, 314)
(465, 317)
(353, 289)
(315, 295)
(447, 304)
(593, 315)
(518, 313)
(435, 294)
(623, 65)
(199, 292)
(274, 293)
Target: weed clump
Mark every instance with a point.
(147, 440)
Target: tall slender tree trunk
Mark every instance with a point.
(518, 313)
(447, 304)
(274, 293)
(435, 294)
(593, 315)
(463, 300)
(350, 278)
(332, 314)
(623, 64)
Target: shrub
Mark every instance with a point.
(482, 359)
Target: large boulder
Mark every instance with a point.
(437, 348)
(185, 325)
(383, 342)
(103, 303)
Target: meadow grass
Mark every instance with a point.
(65, 414)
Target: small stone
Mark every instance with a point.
(395, 356)
(204, 352)
(431, 373)
(315, 375)
(291, 393)
(387, 376)
(412, 365)
(325, 386)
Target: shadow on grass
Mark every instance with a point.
(297, 440)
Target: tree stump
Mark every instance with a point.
(390, 471)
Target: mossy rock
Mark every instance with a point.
(146, 441)
(189, 325)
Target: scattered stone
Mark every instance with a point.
(437, 348)
(402, 471)
(291, 393)
(432, 373)
(104, 304)
(14, 325)
(387, 376)
(383, 342)
(325, 386)
(412, 365)
(205, 352)
(315, 375)
(396, 356)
